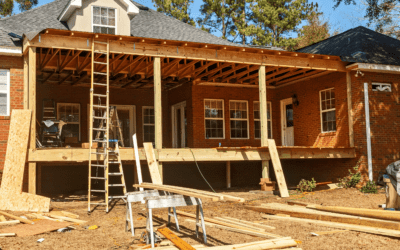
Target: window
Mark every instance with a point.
(239, 119)
(4, 92)
(70, 113)
(214, 119)
(257, 122)
(328, 111)
(383, 87)
(104, 20)
(148, 125)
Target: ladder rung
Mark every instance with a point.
(117, 197)
(99, 129)
(115, 174)
(97, 153)
(99, 141)
(99, 117)
(101, 204)
(116, 185)
(99, 191)
(99, 106)
(100, 63)
(100, 84)
(114, 162)
(100, 73)
(100, 52)
(98, 165)
(99, 95)
(98, 178)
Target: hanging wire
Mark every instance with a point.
(200, 171)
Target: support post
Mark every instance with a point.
(350, 109)
(158, 108)
(368, 132)
(26, 81)
(32, 107)
(228, 174)
(263, 117)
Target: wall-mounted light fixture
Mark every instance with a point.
(295, 101)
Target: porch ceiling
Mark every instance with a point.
(72, 66)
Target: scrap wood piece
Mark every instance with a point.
(277, 166)
(65, 218)
(236, 230)
(251, 223)
(297, 203)
(152, 163)
(328, 232)
(370, 213)
(219, 195)
(14, 166)
(41, 226)
(239, 224)
(301, 212)
(65, 214)
(16, 218)
(10, 222)
(2, 218)
(181, 244)
(351, 227)
(7, 235)
(224, 224)
(177, 191)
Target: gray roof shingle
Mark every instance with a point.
(361, 45)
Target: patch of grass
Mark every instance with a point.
(352, 179)
(306, 186)
(370, 187)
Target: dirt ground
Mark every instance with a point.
(111, 232)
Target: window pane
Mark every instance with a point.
(96, 10)
(111, 31)
(3, 104)
(96, 29)
(104, 12)
(104, 30)
(96, 19)
(104, 20)
(111, 12)
(111, 21)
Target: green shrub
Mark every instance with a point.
(306, 186)
(370, 187)
(352, 179)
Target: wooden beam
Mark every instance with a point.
(286, 73)
(158, 108)
(152, 163)
(26, 81)
(118, 70)
(48, 60)
(228, 174)
(79, 42)
(237, 76)
(224, 65)
(178, 242)
(350, 109)
(202, 68)
(170, 67)
(228, 72)
(65, 64)
(32, 107)
(263, 117)
(276, 162)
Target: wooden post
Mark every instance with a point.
(26, 81)
(228, 174)
(32, 107)
(158, 108)
(368, 132)
(350, 109)
(263, 117)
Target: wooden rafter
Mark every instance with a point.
(118, 70)
(138, 67)
(169, 68)
(44, 59)
(291, 73)
(65, 78)
(80, 79)
(48, 60)
(65, 64)
(65, 59)
(133, 82)
(188, 65)
(303, 75)
(224, 65)
(48, 77)
(228, 72)
(270, 77)
(198, 71)
(237, 76)
(123, 59)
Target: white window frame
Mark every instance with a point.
(80, 120)
(132, 114)
(239, 119)
(148, 124)
(327, 110)
(7, 92)
(210, 118)
(107, 26)
(269, 104)
(382, 87)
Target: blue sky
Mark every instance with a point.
(343, 18)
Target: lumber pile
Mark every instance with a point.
(316, 214)
(190, 192)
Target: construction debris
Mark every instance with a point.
(328, 232)
(179, 243)
(16, 218)
(7, 235)
(41, 226)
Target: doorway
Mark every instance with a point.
(179, 125)
(287, 122)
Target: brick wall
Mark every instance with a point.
(15, 65)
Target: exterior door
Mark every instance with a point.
(287, 122)
(179, 124)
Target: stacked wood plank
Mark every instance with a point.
(337, 220)
(191, 192)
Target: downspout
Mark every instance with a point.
(368, 131)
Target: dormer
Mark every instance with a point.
(100, 16)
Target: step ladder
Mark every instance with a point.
(99, 114)
(50, 136)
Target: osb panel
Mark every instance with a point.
(41, 226)
(23, 202)
(17, 147)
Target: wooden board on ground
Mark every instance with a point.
(370, 213)
(41, 226)
(226, 224)
(302, 212)
(11, 197)
(65, 218)
(8, 235)
(240, 224)
(152, 163)
(10, 222)
(179, 243)
(16, 217)
(351, 227)
(328, 232)
(251, 223)
(276, 163)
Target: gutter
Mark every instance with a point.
(370, 67)
(11, 51)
